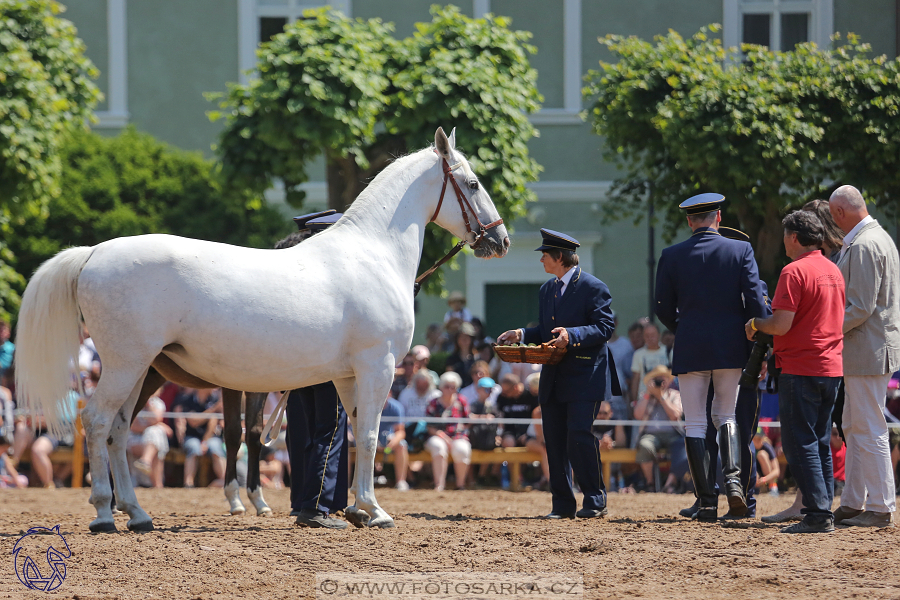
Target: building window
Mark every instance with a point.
(778, 24)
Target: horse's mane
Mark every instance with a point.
(397, 171)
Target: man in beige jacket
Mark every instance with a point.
(871, 270)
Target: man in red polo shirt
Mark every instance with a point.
(807, 321)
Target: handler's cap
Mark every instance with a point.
(302, 220)
(554, 240)
(323, 223)
(702, 203)
(734, 234)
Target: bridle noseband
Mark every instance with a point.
(472, 238)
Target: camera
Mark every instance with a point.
(750, 374)
(658, 381)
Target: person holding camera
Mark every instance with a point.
(806, 323)
(660, 403)
(706, 288)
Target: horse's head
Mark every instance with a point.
(466, 209)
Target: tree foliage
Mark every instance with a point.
(769, 130)
(346, 89)
(46, 88)
(133, 184)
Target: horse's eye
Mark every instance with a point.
(473, 184)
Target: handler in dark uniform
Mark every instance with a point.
(575, 313)
(705, 286)
(317, 433)
(746, 415)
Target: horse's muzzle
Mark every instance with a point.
(495, 243)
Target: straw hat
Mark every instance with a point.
(658, 371)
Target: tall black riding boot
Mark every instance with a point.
(698, 461)
(730, 448)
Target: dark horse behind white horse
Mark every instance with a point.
(202, 310)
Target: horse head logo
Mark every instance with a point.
(41, 541)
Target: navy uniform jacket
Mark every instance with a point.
(707, 288)
(584, 310)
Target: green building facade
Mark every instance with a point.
(158, 58)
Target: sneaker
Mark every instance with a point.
(141, 467)
(315, 518)
(871, 519)
(590, 513)
(807, 526)
(784, 516)
(402, 485)
(843, 513)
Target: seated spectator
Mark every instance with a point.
(416, 398)
(463, 356)
(7, 348)
(271, 468)
(433, 337)
(7, 416)
(644, 360)
(423, 357)
(149, 441)
(9, 477)
(197, 436)
(660, 403)
(610, 436)
(768, 469)
(403, 374)
(448, 439)
(392, 440)
(480, 369)
(34, 433)
(514, 403)
(483, 436)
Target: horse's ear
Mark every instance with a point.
(453, 139)
(442, 144)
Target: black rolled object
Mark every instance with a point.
(750, 374)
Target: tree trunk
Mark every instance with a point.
(346, 180)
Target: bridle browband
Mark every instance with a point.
(464, 204)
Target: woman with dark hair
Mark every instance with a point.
(463, 356)
(834, 235)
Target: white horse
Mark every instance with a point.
(206, 310)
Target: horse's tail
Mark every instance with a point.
(48, 336)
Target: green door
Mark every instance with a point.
(510, 305)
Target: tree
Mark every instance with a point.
(133, 184)
(769, 130)
(347, 89)
(46, 88)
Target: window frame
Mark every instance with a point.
(821, 19)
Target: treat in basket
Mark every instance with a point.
(542, 354)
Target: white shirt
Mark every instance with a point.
(848, 239)
(566, 278)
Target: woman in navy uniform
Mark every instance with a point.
(575, 313)
(317, 431)
(705, 287)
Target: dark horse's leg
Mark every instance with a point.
(253, 412)
(231, 407)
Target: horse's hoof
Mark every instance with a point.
(264, 512)
(386, 523)
(141, 526)
(238, 511)
(103, 527)
(359, 518)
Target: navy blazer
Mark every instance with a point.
(707, 288)
(585, 312)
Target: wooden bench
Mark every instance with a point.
(515, 458)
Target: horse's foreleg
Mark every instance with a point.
(231, 408)
(117, 441)
(368, 394)
(253, 411)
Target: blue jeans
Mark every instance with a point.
(805, 404)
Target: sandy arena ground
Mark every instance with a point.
(640, 551)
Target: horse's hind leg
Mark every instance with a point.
(117, 441)
(98, 415)
(231, 408)
(253, 412)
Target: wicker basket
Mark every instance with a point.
(540, 355)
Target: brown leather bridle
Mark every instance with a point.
(472, 238)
